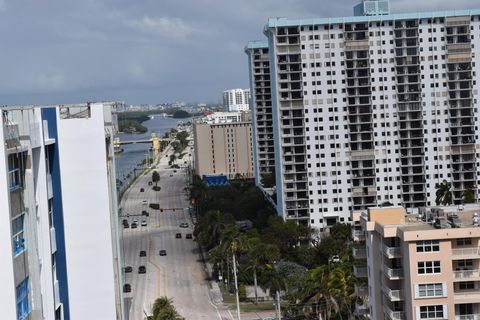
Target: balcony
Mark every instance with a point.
(468, 317)
(394, 315)
(359, 253)
(361, 290)
(393, 295)
(466, 253)
(358, 235)
(360, 271)
(361, 309)
(391, 252)
(466, 296)
(463, 275)
(393, 274)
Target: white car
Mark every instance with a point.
(145, 201)
(335, 259)
(144, 223)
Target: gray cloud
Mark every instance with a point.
(144, 51)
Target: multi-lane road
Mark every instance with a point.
(178, 275)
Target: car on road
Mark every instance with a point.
(188, 236)
(162, 252)
(134, 225)
(183, 225)
(142, 269)
(145, 201)
(135, 221)
(126, 225)
(178, 236)
(143, 253)
(145, 213)
(125, 221)
(144, 223)
(150, 183)
(128, 269)
(171, 175)
(142, 190)
(127, 288)
(174, 171)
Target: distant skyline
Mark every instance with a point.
(145, 52)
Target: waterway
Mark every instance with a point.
(130, 159)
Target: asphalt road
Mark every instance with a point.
(178, 275)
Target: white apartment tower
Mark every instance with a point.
(372, 108)
(236, 100)
(261, 100)
(59, 252)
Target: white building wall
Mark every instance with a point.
(7, 294)
(86, 208)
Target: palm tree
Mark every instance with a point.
(340, 287)
(316, 291)
(164, 310)
(275, 283)
(259, 255)
(444, 193)
(155, 177)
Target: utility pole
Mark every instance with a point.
(279, 313)
(236, 284)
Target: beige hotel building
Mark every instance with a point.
(414, 270)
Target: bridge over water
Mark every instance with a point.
(154, 141)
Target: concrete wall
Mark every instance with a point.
(86, 208)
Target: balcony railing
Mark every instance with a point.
(358, 235)
(359, 253)
(393, 295)
(466, 251)
(393, 274)
(467, 274)
(394, 315)
(361, 290)
(391, 252)
(360, 271)
(468, 317)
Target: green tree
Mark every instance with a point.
(155, 177)
(164, 310)
(268, 180)
(444, 193)
(259, 255)
(468, 196)
(341, 231)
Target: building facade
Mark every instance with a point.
(416, 271)
(261, 102)
(222, 117)
(236, 100)
(53, 159)
(372, 109)
(223, 149)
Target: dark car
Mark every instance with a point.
(125, 221)
(163, 252)
(127, 288)
(178, 236)
(128, 269)
(125, 225)
(142, 269)
(174, 171)
(134, 225)
(188, 236)
(145, 213)
(143, 253)
(142, 190)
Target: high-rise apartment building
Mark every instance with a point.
(235, 100)
(261, 101)
(223, 149)
(417, 269)
(59, 252)
(372, 108)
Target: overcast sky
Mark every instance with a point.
(144, 51)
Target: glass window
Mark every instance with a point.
(426, 267)
(430, 290)
(464, 241)
(18, 240)
(23, 307)
(431, 312)
(428, 246)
